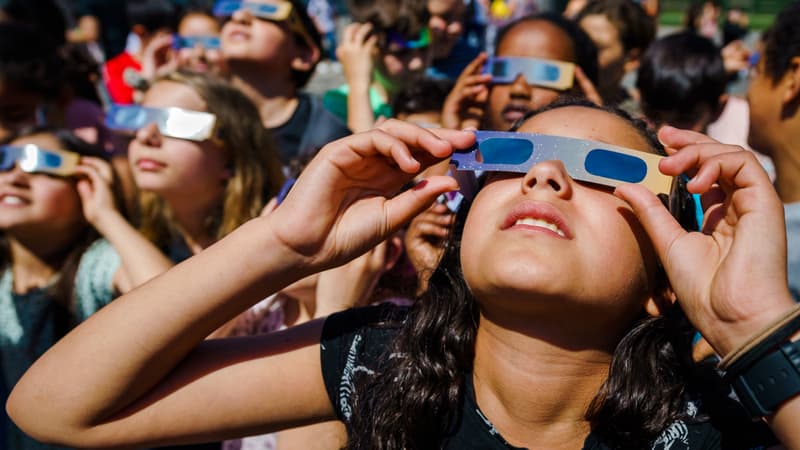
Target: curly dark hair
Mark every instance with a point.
(415, 399)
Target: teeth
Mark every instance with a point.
(12, 200)
(540, 223)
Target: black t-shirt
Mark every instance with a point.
(308, 130)
(355, 341)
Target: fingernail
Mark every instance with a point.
(420, 185)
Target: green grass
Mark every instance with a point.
(758, 21)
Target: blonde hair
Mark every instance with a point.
(255, 170)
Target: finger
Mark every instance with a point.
(408, 204)
(361, 33)
(102, 167)
(586, 85)
(676, 138)
(370, 43)
(439, 142)
(657, 221)
(733, 170)
(353, 149)
(431, 229)
(349, 32)
(713, 196)
(475, 66)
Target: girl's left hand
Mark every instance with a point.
(730, 278)
(94, 188)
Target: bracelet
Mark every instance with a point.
(768, 338)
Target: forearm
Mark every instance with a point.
(359, 110)
(140, 259)
(154, 327)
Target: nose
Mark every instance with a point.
(548, 176)
(520, 88)
(242, 15)
(149, 135)
(15, 177)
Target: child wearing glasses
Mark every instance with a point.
(552, 321)
(65, 249)
(536, 59)
(386, 50)
(195, 47)
(200, 159)
(271, 48)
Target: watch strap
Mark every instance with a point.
(770, 381)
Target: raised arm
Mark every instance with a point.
(730, 278)
(138, 373)
(140, 259)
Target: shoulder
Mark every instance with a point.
(93, 281)
(353, 345)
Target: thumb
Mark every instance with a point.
(84, 188)
(657, 221)
(408, 204)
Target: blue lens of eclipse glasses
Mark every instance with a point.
(226, 8)
(207, 42)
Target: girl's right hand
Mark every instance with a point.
(346, 201)
(464, 106)
(94, 189)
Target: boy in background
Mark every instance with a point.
(384, 51)
(148, 19)
(271, 58)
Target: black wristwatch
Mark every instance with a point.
(769, 381)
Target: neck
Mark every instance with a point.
(192, 222)
(275, 98)
(536, 392)
(34, 263)
(787, 170)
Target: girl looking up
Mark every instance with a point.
(65, 250)
(537, 329)
(196, 189)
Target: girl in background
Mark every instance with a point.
(65, 249)
(195, 190)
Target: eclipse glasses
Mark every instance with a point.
(207, 42)
(173, 122)
(396, 41)
(541, 72)
(32, 159)
(584, 160)
(279, 11)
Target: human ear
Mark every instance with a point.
(306, 57)
(662, 299)
(394, 250)
(792, 93)
(632, 60)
